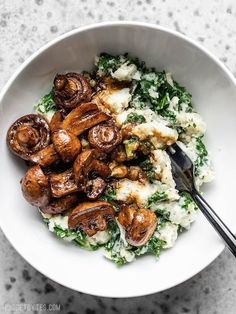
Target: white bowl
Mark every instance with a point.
(214, 95)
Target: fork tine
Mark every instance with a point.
(179, 157)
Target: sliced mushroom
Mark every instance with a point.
(66, 144)
(56, 121)
(28, 135)
(63, 183)
(139, 224)
(91, 217)
(105, 136)
(35, 187)
(94, 188)
(45, 157)
(83, 118)
(70, 90)
(83, 164)
(87, 162)
(59, 205)
(142, 227)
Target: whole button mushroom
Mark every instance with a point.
(70, 90)
(28, 135)
(66, 144)
(35, 187)
(105, 136)
(91, 217)
(139, 225)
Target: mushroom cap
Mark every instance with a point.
(66, 144)
(105, 136)
(87, 162)
(28, 135)
(63, 183)
(35, 187)
(91, 216)
(94, 188)
(142, 227)
(70, 90)
(59, 205)
(45, 157)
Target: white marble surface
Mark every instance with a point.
(27, 25)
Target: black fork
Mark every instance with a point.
(183, 173)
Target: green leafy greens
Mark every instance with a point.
(46, 104)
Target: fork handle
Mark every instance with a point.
(216, 222)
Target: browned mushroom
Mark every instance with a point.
(91, 217)
(56, 121)
(94, 188)
(63, 183)
(59, 205)
(28, 135)
(83, 118)
(119, 154)
(139, 225)
(119, 171)
(66, 144)
(105, 136)
(35, 187)
(45, 157)
(70, 90)
(86, 162)
(126, 215)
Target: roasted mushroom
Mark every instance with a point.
(105, 136)
(83, 118)
(59, 205)
(94, 188)
(139, 225)
(28, 135)
(45, 157)
(63, 183)
(35, 187)
(56, 121)
(66, 144)
(91, 217)
(87, 162)
(70, 90)
(119, 171)
(126, 215)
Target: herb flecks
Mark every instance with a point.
(135, 118)
(46, 104)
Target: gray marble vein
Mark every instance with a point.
(27, 25)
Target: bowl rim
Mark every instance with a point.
(85, 28)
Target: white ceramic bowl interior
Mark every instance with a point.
(214, 95)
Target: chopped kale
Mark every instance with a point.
(147, 167)
(156, 197)
(202, 155)
(46, 104)
(135, 118)
(131, 145)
